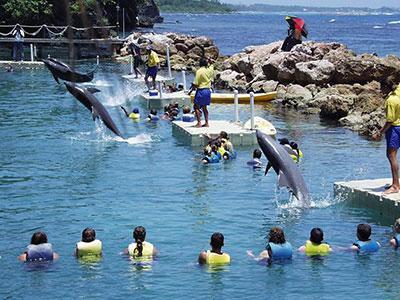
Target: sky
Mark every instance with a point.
(323, 3)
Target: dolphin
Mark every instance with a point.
(61, 70)
(288, 172)
(91, 103)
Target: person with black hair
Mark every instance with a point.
(277, 248)
(395, 241)
(153, 116)
(215, 256)
(39, 249)
(315, 246)
(89, 245)
(137, 59)
(364, 243)
(141, 248)
(256, 161)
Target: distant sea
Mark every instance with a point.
(366, 33)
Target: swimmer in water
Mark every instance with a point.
(395, 241)
(315, 246)
(134, 115)
(39, 250)
(89, 245)
(141, 248)
(153, 117)
(215, 256)
(256, 161)
(364, 243)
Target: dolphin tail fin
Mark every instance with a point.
(282, 180)
(95, 114)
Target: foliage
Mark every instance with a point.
(193, 6)
(27, 11)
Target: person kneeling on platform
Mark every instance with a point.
(215, 256)
(277, 248)
(89, 245)
(134, 115)
(364, 243)
(256, 161)
(39, 250)
(315, 246)
(153, 117)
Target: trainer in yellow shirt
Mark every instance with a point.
(202, 84)
(152, 66)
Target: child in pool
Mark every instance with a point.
(364, 243)
(134, 115)
(141, 248)
(395, 241)
(187, 116)
(256, 161)
(211, 155)
(89, 245)
(153, 117)
(39, 249)
(277, 247)
(215, 256)
(315, 246)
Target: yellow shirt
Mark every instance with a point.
(153, 59)
(204, 76)
(392, 107)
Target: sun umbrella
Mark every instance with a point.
(297, 23)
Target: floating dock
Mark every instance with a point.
(186, 133)
(369, 194)
(26, 64)
(163, 99)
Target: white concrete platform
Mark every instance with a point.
(159, 78)
(193, 136)
(158, 102)
(369, 193)
(22, 64)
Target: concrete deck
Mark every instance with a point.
(26, 64)
(156, 102)
(368, 193)
(193, 136)
(159, 78)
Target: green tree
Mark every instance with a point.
(27, 11)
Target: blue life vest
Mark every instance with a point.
(188, 118)
(280, 251)
(153, 118)
(41, 252)
(255, 162)
(397, 239)
(212, 158)
(368, 246)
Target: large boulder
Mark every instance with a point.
(314, 72)
(296, 96)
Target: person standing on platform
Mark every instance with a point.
(153, 63)
(391, 129)
(202, 84)
(137, 59)
(18, 46)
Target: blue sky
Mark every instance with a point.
(327, 3)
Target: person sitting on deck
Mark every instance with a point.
(395, 241)
(153, 63)
(153, 117)
(256, 161)
(187, 116)
(364, 243)
(141, 249)
(277, 248)
(39, 250)
(134, 115)
(215, 256)
(315, 246)
(89, 245)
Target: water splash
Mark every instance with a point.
(142, 138)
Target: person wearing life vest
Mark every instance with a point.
(299, 153)
(395, 241)
(391, 129)
(89, 245)
(39, 250)
(153, 63)
(215, 256)
(134, 115)
(211, 155)
(364, 243)
(153, 116)
(187, 116)
(277, 248)
(141, 249)
(256, 161)
(315, 246)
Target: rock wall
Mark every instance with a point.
(185, 50)
(324, 78)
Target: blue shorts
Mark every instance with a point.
(152, 71)
(202, 97)
(393, 137)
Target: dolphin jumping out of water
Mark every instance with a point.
(288, 172)
(65, 72)
(91, 103)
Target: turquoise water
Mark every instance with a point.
(59, 172)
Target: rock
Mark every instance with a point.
(189, 43)
(296, 95)
(271, 66)
(211, 52)
(314, 72)
(333, 104)
(202, 41)
(196, 51)
(270, 86)
(182, 47)
(231, 80)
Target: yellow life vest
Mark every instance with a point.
(314, 249)
(296, 158)
(217, 259)
(93, 248)
(134, 116)
(222, 151)
(228, 144)
(148, 249)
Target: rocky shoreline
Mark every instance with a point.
(314, 78)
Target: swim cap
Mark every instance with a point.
(135, 110)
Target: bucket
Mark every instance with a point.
(153, 93)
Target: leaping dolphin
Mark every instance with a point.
(65, 72)
(91, 103)
(288, 172)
